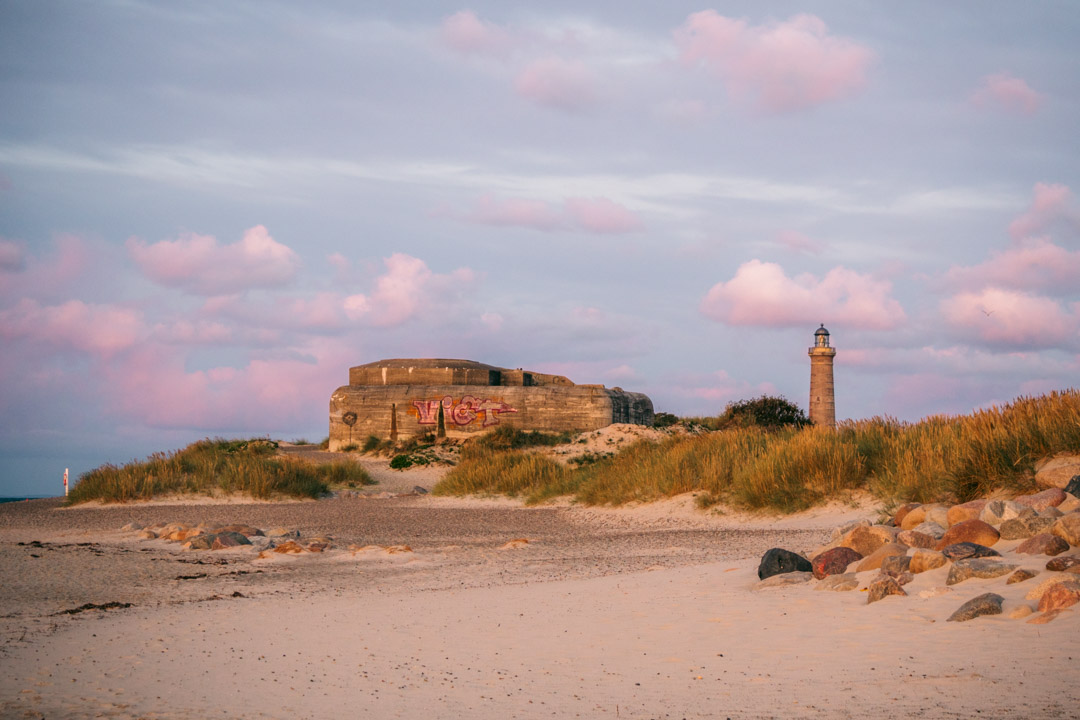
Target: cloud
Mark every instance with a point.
(199, 265)
(407, 286)
(592, 214)
(557, 83)
(99, 330)
(779, 67)
(762, 294)
(12, 256)
(467, 34)
(1011, 319)
(794, 240)
(1049, 203)
(519, 212)
(601, 215)
(1036, 264)
(1006, 92)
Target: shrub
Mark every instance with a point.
(664, 419)
(765, 412)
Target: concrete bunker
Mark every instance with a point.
(401, 398)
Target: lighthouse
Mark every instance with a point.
(822, 400)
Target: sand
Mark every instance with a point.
(647, 612)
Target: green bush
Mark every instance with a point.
(764, 412)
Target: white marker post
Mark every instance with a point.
(65, 482)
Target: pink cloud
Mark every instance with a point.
(1034, 264)
(99, 330)
(515, 212)
(467, 34)
(797, 241)
(12, 256)
(1049, 203)
(778, 67)
(193, 332)
(558, 83)
(198, 264)
(762, 294)
(1006, 92)
(997, 316)
(406, 286)
(600, 215)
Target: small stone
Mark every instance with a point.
(915, 539)
(1067, 527)
(1042, 500)
(1048, 582)
(981, 568)
(882, 587)
(228, 539)
(1043, 544)
(974, 531)
(962, 550)
(930, 528)
(1020, 611)
(873, 560)
(834, 561)
(1047, 617)
(283, 532)
(777, 560)
(1051, 512)
(1070, 504)
(896, 565)
(289, 547)
(1060, 595)
(838, 583)
(923, 560)
(866, 539)
(902, 511)
(985, 604)
(1067, 563)
(781, 579)
(965, 511)
(1021, 575)
(996, 512)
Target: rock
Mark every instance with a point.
(148, 535)
(934, 592)
(228, 539)
(924, 560)
(245, 530)
(1020, 611)
(283, 532)
(796, 577)
(1021, 575)
(913, 517)
(965, 511)
(896, 565)
(916, 539)
(985, 604)
(866, 539)
(204, 541)
(1060, 595)
(959, 551)
(1068, 563)
(1058, 471)
(131, 527)
(1042, 500)
(1047, 617)
(1073, 486)
(973, 531)
(1067, 527)
(420, 490)
(873, 560)
(996, 512)
(1048, 582)
(882, 587)
(834, 561)
(289, 547)
(839, 532)
(930, 528)
(838, 583)
(982, 568)
(1071, 502)
(1024, 526)
(902, 511)
(1051, 512)
(1043, 544)
(937, 514)
(778, 560)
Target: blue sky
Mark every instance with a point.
(209, 211)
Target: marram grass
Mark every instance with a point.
(211, 467)
(937, 459)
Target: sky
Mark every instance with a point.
(210, 211)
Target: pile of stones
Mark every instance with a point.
(220, 537)
(1005, 539)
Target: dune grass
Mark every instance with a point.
(216, 466)
(788, 469)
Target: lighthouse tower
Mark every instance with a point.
(822, 400)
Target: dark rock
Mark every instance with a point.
(419, 490)
(1021, 575)
(833, 561)
(245, 530)
(200, 542)
(1068, 563)
(1043, 544)
(896, 565)
(1073, 487)
(982, 568)
(778, 560)
(229, 539)
(960, 551)
(882, 587)
(985, 604)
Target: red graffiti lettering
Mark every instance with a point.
(462, 412)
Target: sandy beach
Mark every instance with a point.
(652, 612)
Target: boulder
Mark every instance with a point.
(245, 530)
(1071, 503)
(205, 541)
(1073, 486)
(982, 568)
(924, 560)
(1052, 512)
(960, 551)
(834, 561)
(289, 547)
(1025, 525)
(1067, 527)
(785, 578)
(882, 587)
(280, 532)
(838, 533)
(915, 539)
(1043, 544)
(1041, 500)
(896, 566)
(938, 514)
(1021, 575)
(1020, 611)
(902, 511)
(1067, 563)
(1060, 595)
(1047, 617)
(777, 561)
(1036, 592)
(973, 531)
(838, 583)
(1057, 471)
(147, 535)
(965, 511)
(873, 560)
(996, 512)
(985, 604)
(913, 517)
(131, 527)
(228, 539)
(866, 539)
(930, 528)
